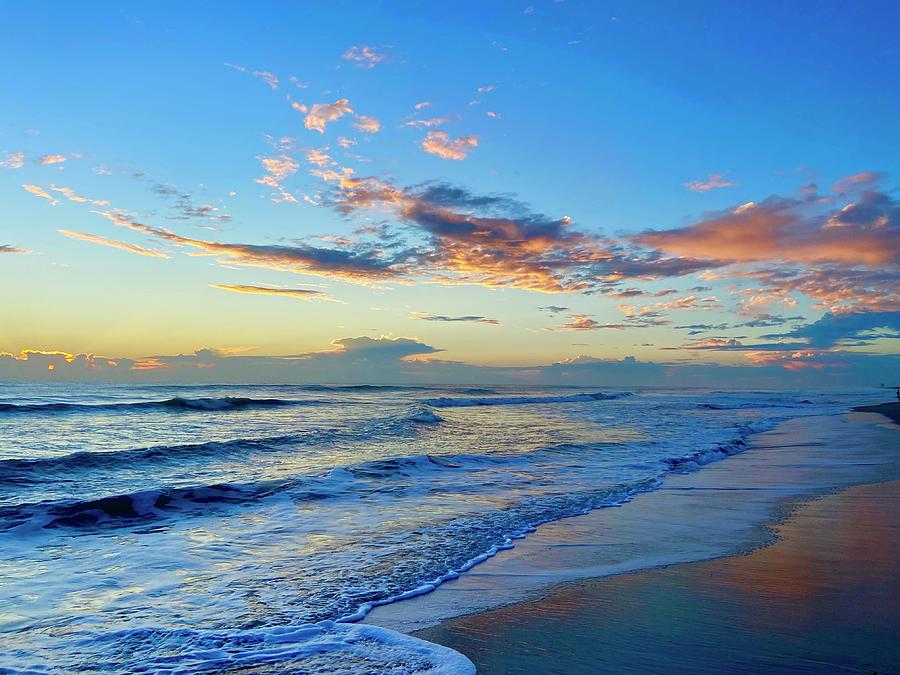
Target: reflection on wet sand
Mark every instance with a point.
(824, 598)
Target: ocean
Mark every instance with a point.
(190, 528)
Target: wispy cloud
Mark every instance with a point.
(298, 293)
(46, 160)
(581, 322)
(72, 196)
(321, 114)
(278, 169)
(439, 143)
(363, 56)
(427, 316)
(422, 105)
(359, 264)
(430, 122)
(713, 182)
(38, 191)
(14, 160)
(113, 243)
(13, 250)
(267, 77)
(367, 124)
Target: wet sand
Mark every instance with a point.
(891, 410)
(824, 598)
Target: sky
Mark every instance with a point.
(549, 191)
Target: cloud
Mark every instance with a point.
(386, 360)
(14, 160)
(554, 309)
(835, 288)
(835, 329)
(321, 114)
(494, 240)
(581, 322)
(38, 191)
(425, 316)
(70, 194)
(13, 250)
(485, 89)
(422, 105)
(184, 206)
(278, 169)
(713, 343)
(319, 157)
(299, 293)
(113, 243)
(438, 143)
(359, 264)
(806, 230)
(367, 124)
(862, 180)
(264, 75)
(51, 159)
(363, 56)
(714, 181)
(430, 122)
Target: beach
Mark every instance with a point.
(795, 543)
(307, 528)
(824, 598)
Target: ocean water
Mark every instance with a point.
(197, 528)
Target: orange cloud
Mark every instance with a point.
(14, 160)
(279, 168)
(298, 293)
(51, 159)
(803, 231)
(359, 265)
(38, 191)
(113, 243)
(438, 143)
(366, 124)
(363, 56)
(713, 182)
(321, 114)
(72, 196)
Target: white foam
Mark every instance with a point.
(458, 402)
(324, 647)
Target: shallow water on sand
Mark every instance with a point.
(199, 526)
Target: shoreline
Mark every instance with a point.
(727, 507)
(825, 597)
(889, 410)
(566, 552)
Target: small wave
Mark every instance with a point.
(22, 471)
(48, 469)
(156, 504)
(424, 416)
(749, 405)
(177, 403)
(459, 402)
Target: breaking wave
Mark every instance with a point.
(176, 403)
(460, 402)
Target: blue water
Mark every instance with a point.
(216, 528)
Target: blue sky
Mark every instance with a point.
(567, 129)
